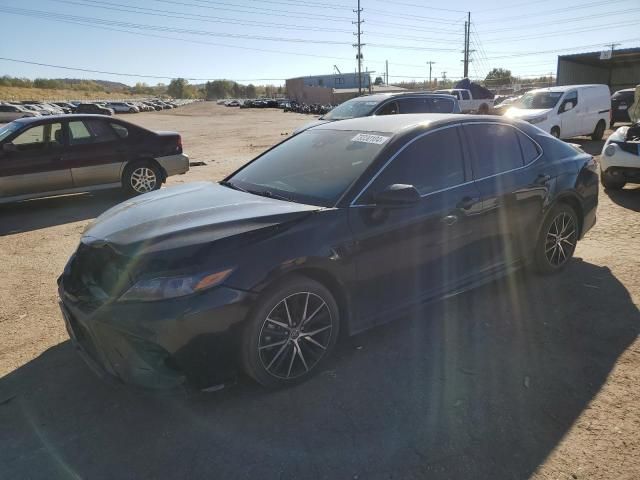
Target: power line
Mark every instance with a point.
(571, 8)
(122, 74)
(428, 7)
(564, 32)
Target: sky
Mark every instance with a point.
(267, 41)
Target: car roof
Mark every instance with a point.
(379, 97)
(397, 123)
(565, 88)
(51, 118)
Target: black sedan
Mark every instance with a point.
(340, 228)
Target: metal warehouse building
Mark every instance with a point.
(618, 69)
(320, 88)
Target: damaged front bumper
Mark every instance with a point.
(162, 344)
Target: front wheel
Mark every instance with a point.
(610, 182)
(557, 240)
(141, 177)
(291, 332)
(598, 133)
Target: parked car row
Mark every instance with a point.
(10, 111)
(314, 109)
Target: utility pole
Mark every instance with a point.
(444, 78)
(386, 69)
(430, 63)
(359, 45)
(467, 34)
(612, 45)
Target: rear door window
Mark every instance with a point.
(530, 150)
(496, 148)
(82, 132)
(425, 105)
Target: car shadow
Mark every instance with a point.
(483, 385)
(31, 215)
(590, 146)
(627, 198)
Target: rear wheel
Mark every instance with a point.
(291, 332)
(484, 109)
(558, 238)
(141, 177)
(555, 132)
(598, 133)
(610, 182)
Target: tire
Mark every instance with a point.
(555, 132)
(484, 109)
(273, 351)
(141, 177)
(551, 256)
(598, 133)
(610, 182)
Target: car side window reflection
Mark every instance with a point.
(496, 148)
(390, 108)
(39, 138)
(430, 163)
(84, 132)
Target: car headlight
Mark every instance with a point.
(161, 288)
(610, 151)
(535, 120)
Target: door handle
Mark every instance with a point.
(542, 179)
(450, 219)
(467, 202)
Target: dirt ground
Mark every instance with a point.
(529, 377)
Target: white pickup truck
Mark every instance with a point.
(467, 103)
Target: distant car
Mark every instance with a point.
(388, 104)
(467, 103)
(620, 158)
(232, 103)
(9, 112)
(620, 103)
(66, 106)
(123, 107)
(566, 111)
(153, 106)
(94, 108)
(45, 156)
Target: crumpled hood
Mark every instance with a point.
(190, 214)
(526, 113)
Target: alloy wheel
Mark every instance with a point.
(143, 179)
(295, 335)
(561, 239)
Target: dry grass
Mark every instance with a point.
(19, 93)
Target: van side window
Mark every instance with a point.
(570, 97)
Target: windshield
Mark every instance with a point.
(314, 167)
(539, 100)
(8, 129)
(356, 107)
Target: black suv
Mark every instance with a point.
(620, 103)
(388, 104)
(93, 108)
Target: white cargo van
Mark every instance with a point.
(567, 111)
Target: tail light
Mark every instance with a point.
(179, 145)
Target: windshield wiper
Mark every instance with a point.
(270, 194)
(227, 183)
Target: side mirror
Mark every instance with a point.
(568, 106)
(397, 195)
(9, 147)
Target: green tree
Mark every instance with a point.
(251, 91)
(177, 88)
(499, 76)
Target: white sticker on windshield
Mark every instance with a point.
(368, 138)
